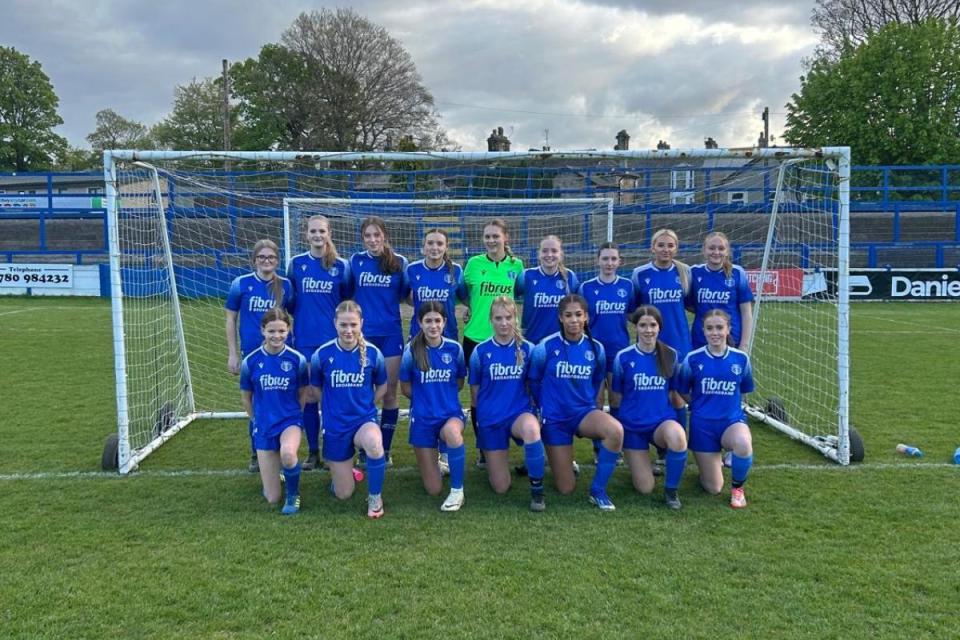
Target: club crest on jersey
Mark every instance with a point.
(589, 356)
(677, 280)
(512, 275)
(286, 365)
(447, 358)
(728, 282)
(448, 279)
(736, 370)
(560, 284)
(333, 271)
(622, 293)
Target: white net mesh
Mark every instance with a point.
(214, 212)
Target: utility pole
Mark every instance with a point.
(226, 107)
(766, 127)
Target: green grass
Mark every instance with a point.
(186, 549)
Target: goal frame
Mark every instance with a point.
(835, 447)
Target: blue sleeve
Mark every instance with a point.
(289, 297)
(579, 289)
(404, 280)
(461, 365)
(379, 370)
(519, 284)
(475, 370)
(303, 373)
(462, 294)
(600, 369)
(746, 382)
(634, 297)
(573, 282)
(684, 376)
(406, 365)
(537, 362)
(617, 383)
(316, 370)
(246, 383)
(673, 383)
(234, 295)
(346, 283)
(744, 292)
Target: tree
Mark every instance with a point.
(336, 81)
(894, 99)
(197, 118)
(76, 159)
(843, 23)
(116, 132)
(28, 114)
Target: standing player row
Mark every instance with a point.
(379, 279)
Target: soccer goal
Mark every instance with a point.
(182, 225)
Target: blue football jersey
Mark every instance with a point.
(541, 294)
(662, 289)
(610, 304)
(379, 294)
(348, 385)
(250, 297)
(318, 291)
(645, 394)
(436, 396)
(714, 290)
(436, 285)
(503, 392)
(275, 381)
(568, 375)
(716, 383)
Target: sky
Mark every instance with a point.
(565, 73)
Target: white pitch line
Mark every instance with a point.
(235, 473)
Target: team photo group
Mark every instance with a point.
(547, 358)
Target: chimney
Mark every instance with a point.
(497, 141)
(662, 145)
(623, 141)
(710, 143)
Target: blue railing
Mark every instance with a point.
(894, 190)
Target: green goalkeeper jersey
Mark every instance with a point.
(487, 280)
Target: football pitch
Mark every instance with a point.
(186, 548)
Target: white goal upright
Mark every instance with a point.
(182, 225)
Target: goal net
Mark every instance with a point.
(182, 226)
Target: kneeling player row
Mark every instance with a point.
(512, 382)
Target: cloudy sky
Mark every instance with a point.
(575, 72)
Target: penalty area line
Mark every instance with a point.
(243, 473)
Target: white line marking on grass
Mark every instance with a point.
(235, 473)
(60, 308)
(910, 323)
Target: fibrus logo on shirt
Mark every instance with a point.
(436, 375)
(428, 294)
(256, 303)
(314, 285)
(573, 371)
(644, 382)
(492, 289)
(712, 386)
(604, 306)
(545, 300)
(708, 296)
(665, 295)
(368, 279)
(274, 383)
(343, 379)
(503, 372)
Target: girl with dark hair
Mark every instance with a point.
(569, 367)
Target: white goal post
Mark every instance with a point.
(181, 225)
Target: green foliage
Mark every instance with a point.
(28, 114)
(116, 132)
(197, 118)
(893, 99)
(76, 159)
